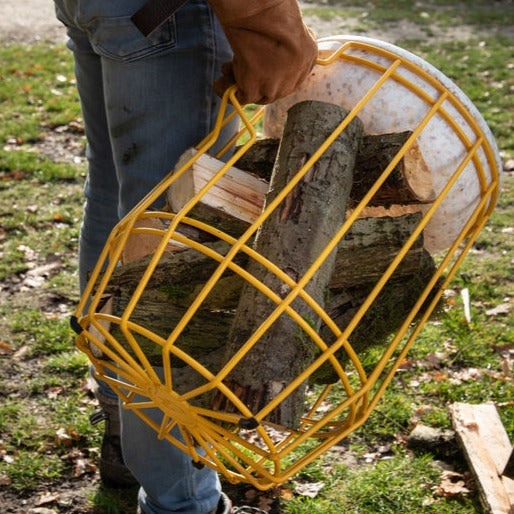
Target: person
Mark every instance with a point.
(144, 100)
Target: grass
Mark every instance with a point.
(425, 14)
(46, 439)
(397, 484)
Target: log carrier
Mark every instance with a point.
(361, 258)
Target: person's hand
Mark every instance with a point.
(273, 50)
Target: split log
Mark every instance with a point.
(410, 181)
(233, 202)
(178, 278)
(239, 195)
(304, 223)
(384, 317)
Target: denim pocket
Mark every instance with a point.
(121, 40)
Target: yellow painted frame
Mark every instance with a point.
(269, 454)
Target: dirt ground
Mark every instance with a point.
(32, 21)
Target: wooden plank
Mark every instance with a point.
(237, 194)
(487, 449)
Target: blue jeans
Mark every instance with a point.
(144, 101)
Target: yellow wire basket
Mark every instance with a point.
(389, 90)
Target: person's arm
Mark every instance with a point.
(273, 50)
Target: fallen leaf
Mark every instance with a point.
(251, 494)
(5, 348)
(438, 376)
(310, 489)
(407, 365)
(452, 484)
(63, 438)
(503, 308)
(22, 352)
(80, 467)
(46, 498)
(54, 392)
(465, 375)
(14, 175)
(8, 458)
(286, 493)
(265, 503)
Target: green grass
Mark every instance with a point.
(398, 484)
(44, 443)
(48, 336)
(37, 91)
(440, 13)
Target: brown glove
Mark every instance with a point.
(273, 50)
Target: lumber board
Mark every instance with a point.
(487, 448)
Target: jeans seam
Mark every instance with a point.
(212, 67)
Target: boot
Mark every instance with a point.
(113, 471)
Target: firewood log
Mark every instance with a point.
(179, 276)
(292, 237)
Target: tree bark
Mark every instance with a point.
(176, 282)
(410, 181)
(292, 238)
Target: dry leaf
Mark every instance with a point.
(310, 489)
(465, 375)
(8, 458)
(80, 467)
(54, 392)
(22, 352)
(265, 503)
(63, 438)
(503, 308)
(251, 494)
(286, 493)
(439, 376)
(452, 484)
(47, 498)
(5, 348)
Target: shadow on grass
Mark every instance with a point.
(115, 501)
